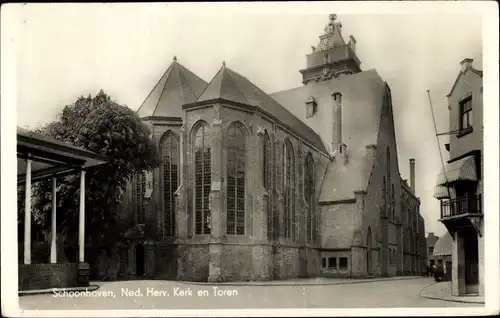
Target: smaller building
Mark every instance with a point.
(431, 242)
(413, 229)
(459, 186)
(442, 254)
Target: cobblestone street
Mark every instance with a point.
(176, 295)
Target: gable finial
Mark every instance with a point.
(223, 63)
(175, 58)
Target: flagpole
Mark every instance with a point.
(439, 147)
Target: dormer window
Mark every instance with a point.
(466, 115)
(311, 106)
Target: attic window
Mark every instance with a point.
(311, 107)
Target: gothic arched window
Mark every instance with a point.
(140, 190)
(289, 190)
(202, 179)
(170, 160)
(267, 182)
(393, 202)
(309, 196)
(384, 188)
(388, 194)
(235, 197)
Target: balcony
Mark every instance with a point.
(470, 204)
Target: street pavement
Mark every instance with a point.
(179, 295)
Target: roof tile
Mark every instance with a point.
(231, 86)
(443, 245)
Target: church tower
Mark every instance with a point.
(332, 57)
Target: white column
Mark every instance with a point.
(27, 215)
(81, 232)
(53, 242)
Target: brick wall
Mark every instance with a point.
(236, 263)
(44, 276)
(337, 225)
(197, 259)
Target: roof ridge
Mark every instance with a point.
(271, 99)
(168, 70)
(209, 84)
(231, 72)
(163, 90)
(179, 74)
(267, 95)
(187, 70)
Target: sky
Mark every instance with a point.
(68, 50)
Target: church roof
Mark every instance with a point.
(230, 86)
(362, 100)
(176, 87)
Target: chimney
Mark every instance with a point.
(466, 63)
(412, 175)
(337, 122)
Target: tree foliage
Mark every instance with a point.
(103, 126)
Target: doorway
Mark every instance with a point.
(471, 261)
(139, 260)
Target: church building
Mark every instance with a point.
(261, 186)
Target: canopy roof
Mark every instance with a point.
(460, 170)
(50, 157)
(443, 245)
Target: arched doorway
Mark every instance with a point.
(369, 252)
(139, 260)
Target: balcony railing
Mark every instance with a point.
(462, 205)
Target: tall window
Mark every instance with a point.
(140, 190)
(384, 194)
(393, 202)
(466, 113)
(170, 158)
(388, 194)
(202, 179)
(235, 181)
(309, 196)
(267, 180)
(289, 190)
(277, 182)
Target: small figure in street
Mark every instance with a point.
(438, 273)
